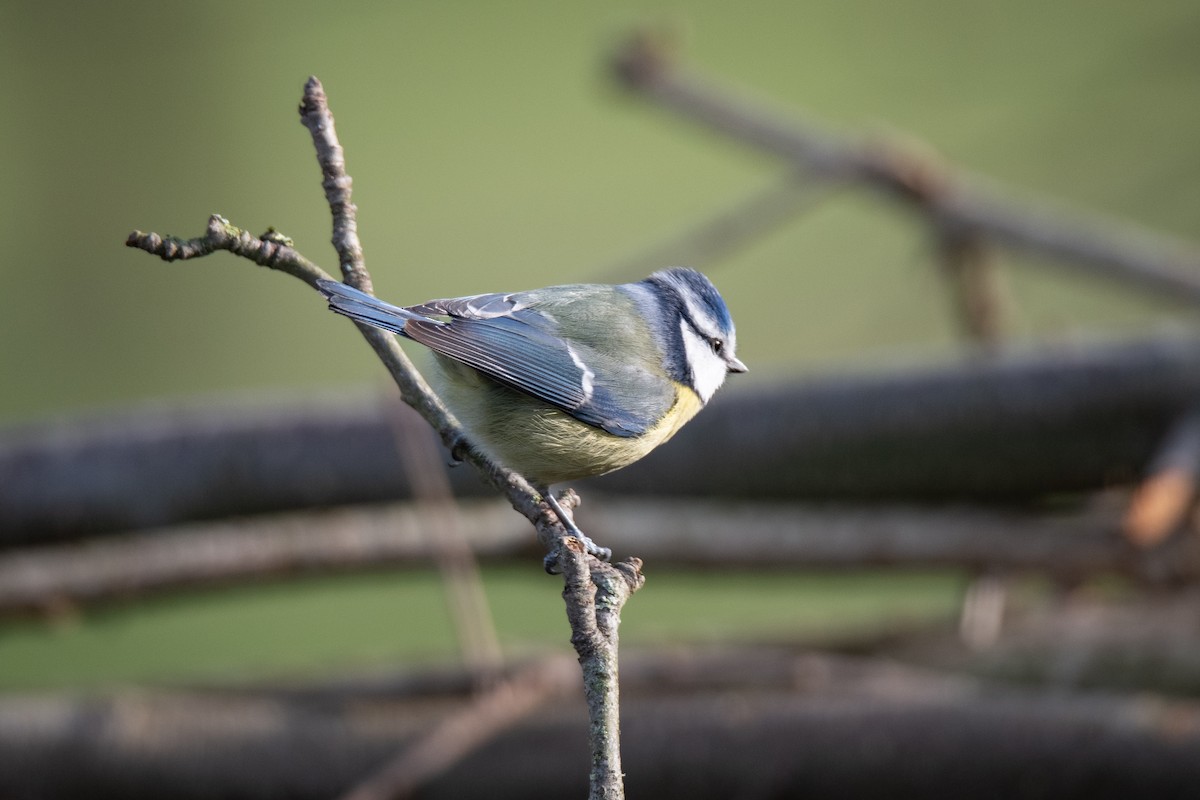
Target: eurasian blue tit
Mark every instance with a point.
(568, 382)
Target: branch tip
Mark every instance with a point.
(631, 571)
(314, 99)
(644, 58)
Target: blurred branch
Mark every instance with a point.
(1165, 495)
(981, 617)
(978, 289)
(951, 199)
(1018, 427)
(461, 581)
(459, 734)
(121, 568)
(1013, 429)
(1068, 545)
(1085, 639)
(790, 722)
(159, 465)
(730, 229)
(594, 589)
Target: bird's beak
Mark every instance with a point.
(736, 365)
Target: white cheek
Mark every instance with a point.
(708, 369)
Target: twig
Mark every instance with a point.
(595, 615)
(316, 116)
(953, 200)
(269, 250)
(591, 583)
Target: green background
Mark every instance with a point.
(491, 151)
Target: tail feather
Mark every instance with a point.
(362, 307)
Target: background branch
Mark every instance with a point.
(1069, 545)
(1166, 493)
(728, 230)
(951, 199)
(461, 581)
(459, 734)
(977, 287)
(1017, 428)
(779, 722)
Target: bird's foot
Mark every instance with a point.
(591, 548)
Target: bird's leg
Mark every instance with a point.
(602, 553)
(458, 448)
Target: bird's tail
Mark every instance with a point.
(362, 307)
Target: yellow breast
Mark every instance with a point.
(541, 442)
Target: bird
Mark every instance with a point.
(572, 381)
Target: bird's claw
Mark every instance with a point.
(550, 562)
(602, 553)
(591, 548)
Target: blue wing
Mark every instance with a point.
(509, 339)
(515, 346)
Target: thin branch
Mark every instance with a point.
(595, 615)
(269, 250)
(729, 229)
(315, 115)
(952, 199)
(589, 579)
(318, 119)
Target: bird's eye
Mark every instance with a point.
(717, 345)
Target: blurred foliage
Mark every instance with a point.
(490, 151)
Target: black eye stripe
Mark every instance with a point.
(687, 317)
